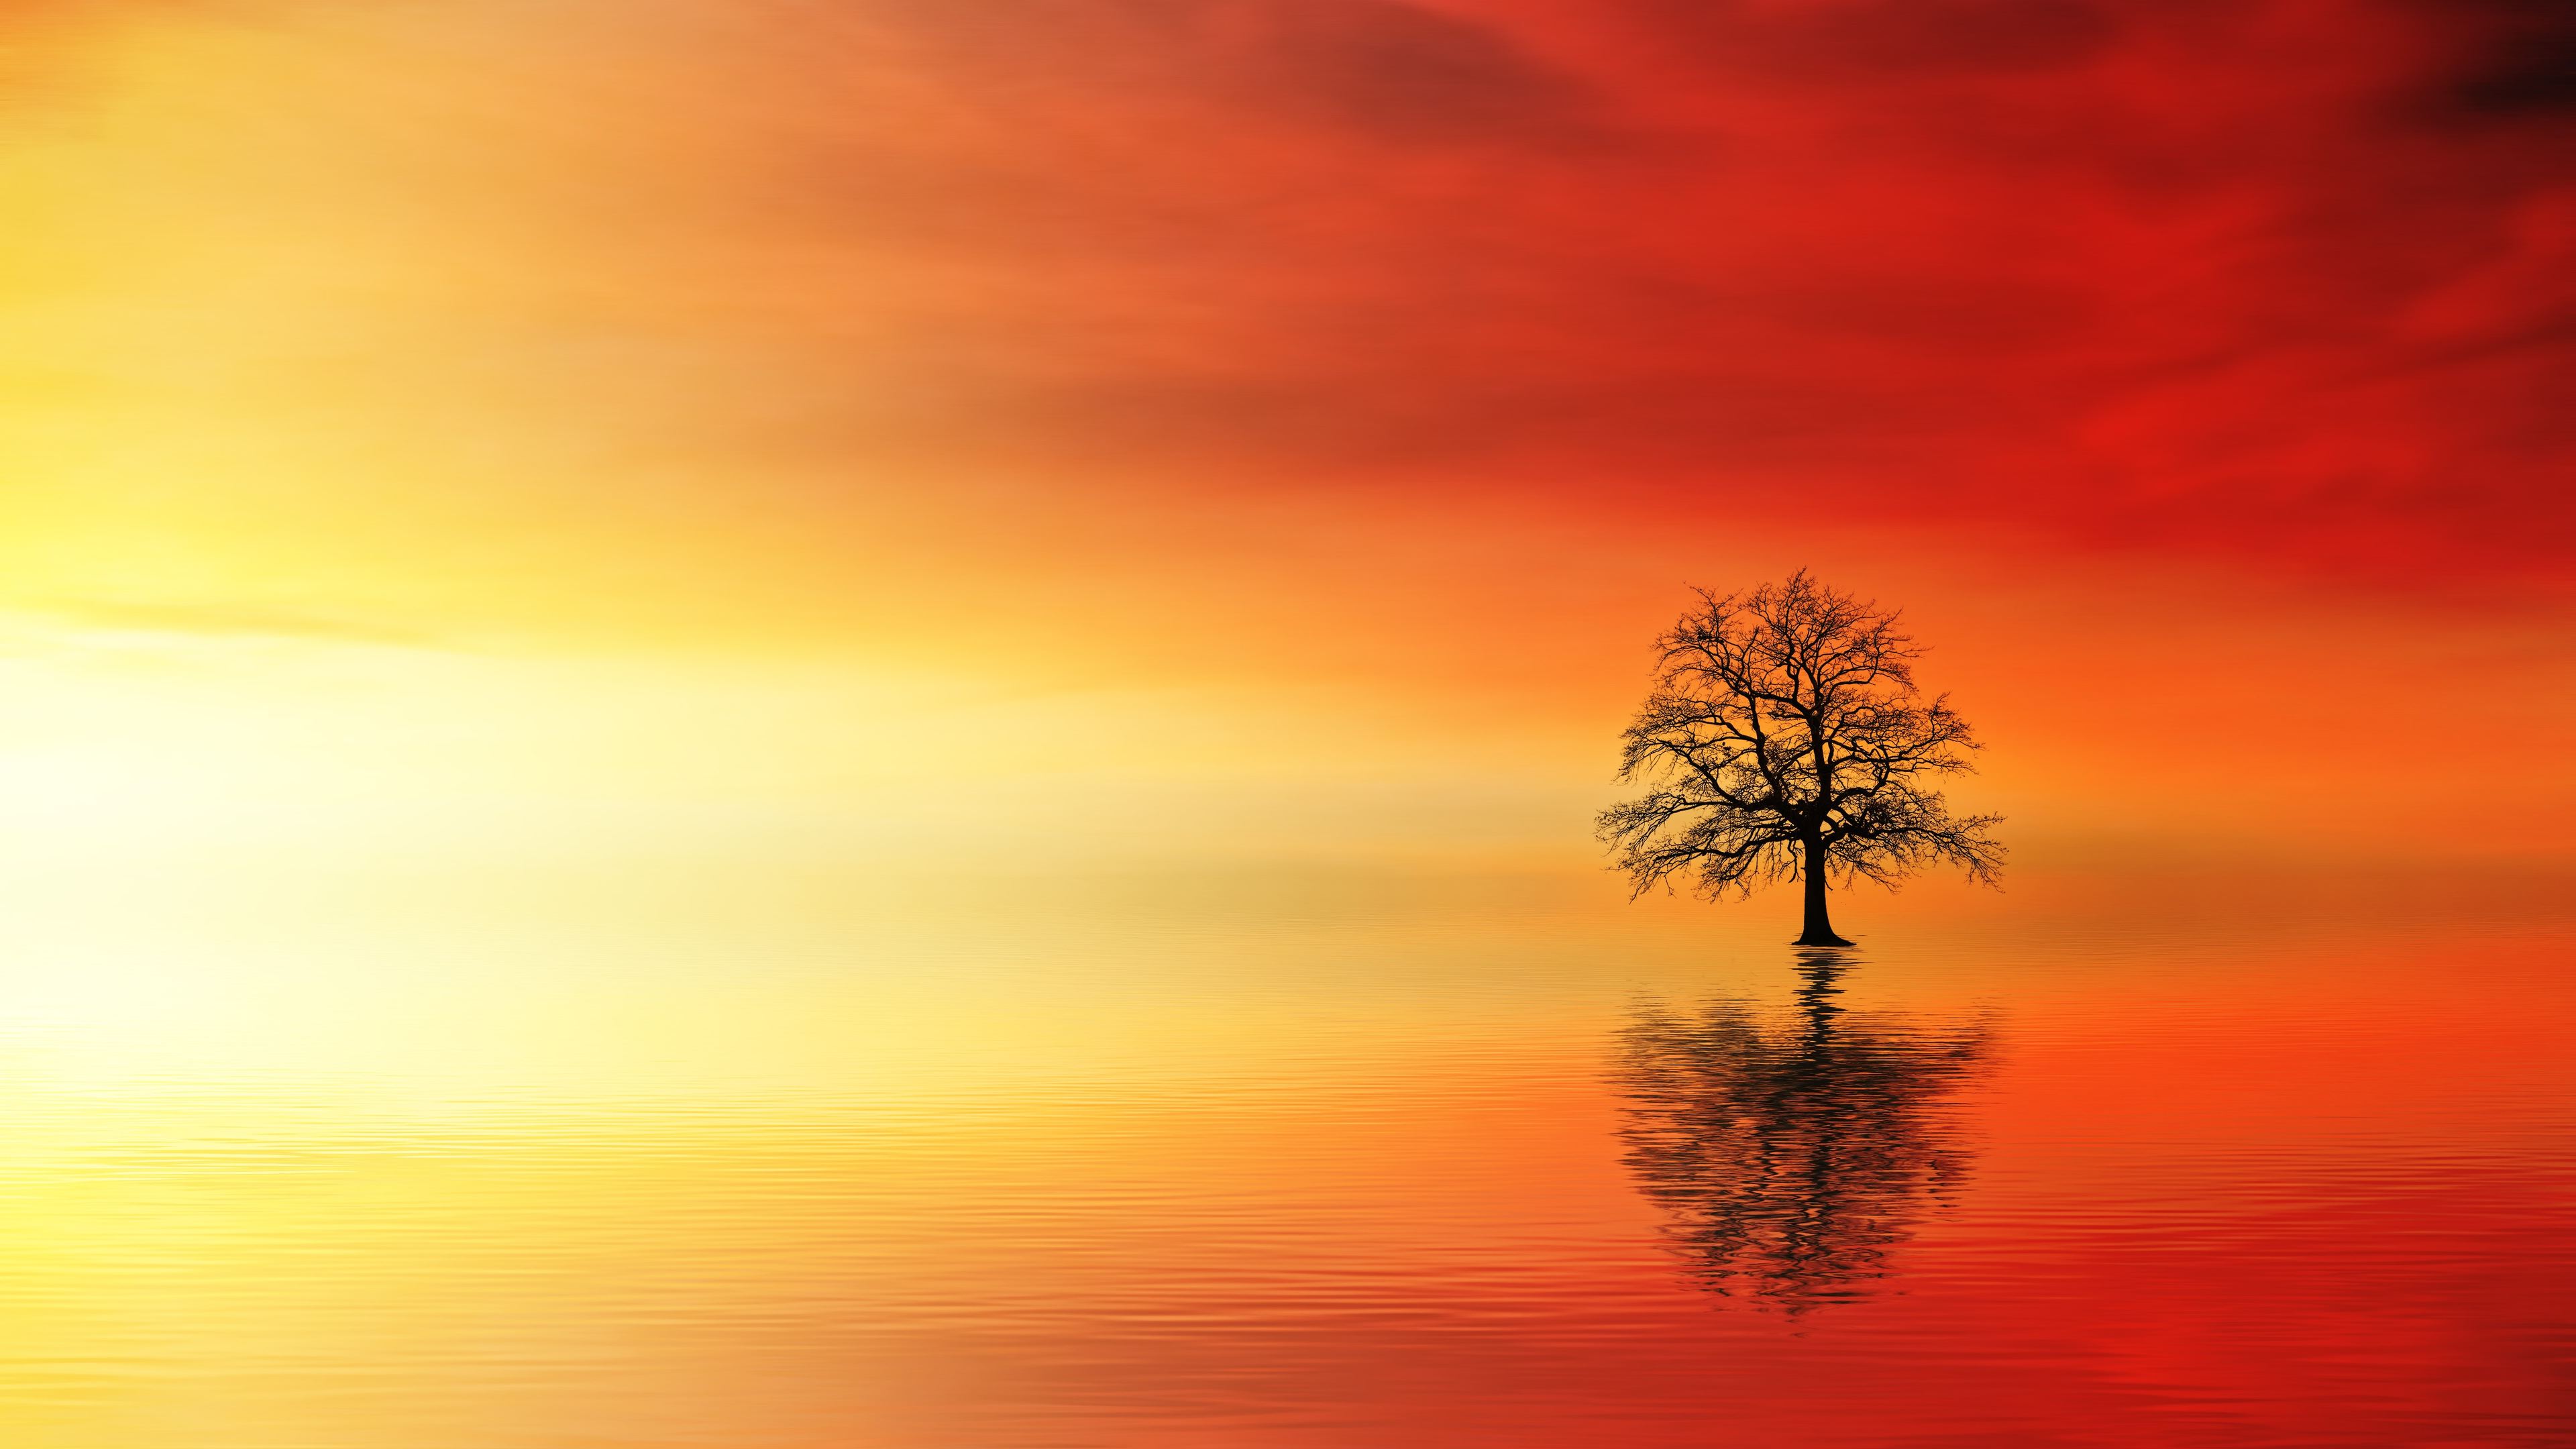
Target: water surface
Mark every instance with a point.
(1473, 1174)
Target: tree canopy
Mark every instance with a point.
(1785, 738)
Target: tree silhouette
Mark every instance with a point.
(1790, 1161)
(1784, 738)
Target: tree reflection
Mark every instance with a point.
(1792, 1156)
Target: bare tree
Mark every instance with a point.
(1785, 739)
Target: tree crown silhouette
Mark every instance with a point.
(1785, 738)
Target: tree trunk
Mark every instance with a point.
(1820, 927)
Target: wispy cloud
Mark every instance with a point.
(221, 621)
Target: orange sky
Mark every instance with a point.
(1137, 427)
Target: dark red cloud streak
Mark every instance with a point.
(2288, 283)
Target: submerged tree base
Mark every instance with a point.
(1820, 938)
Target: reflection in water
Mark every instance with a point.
(1791, 1157)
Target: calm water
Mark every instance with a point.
(1378, 1176)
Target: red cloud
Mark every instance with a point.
(2280, 282)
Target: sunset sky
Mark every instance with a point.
(1053, 435)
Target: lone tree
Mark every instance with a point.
(1785, 739)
